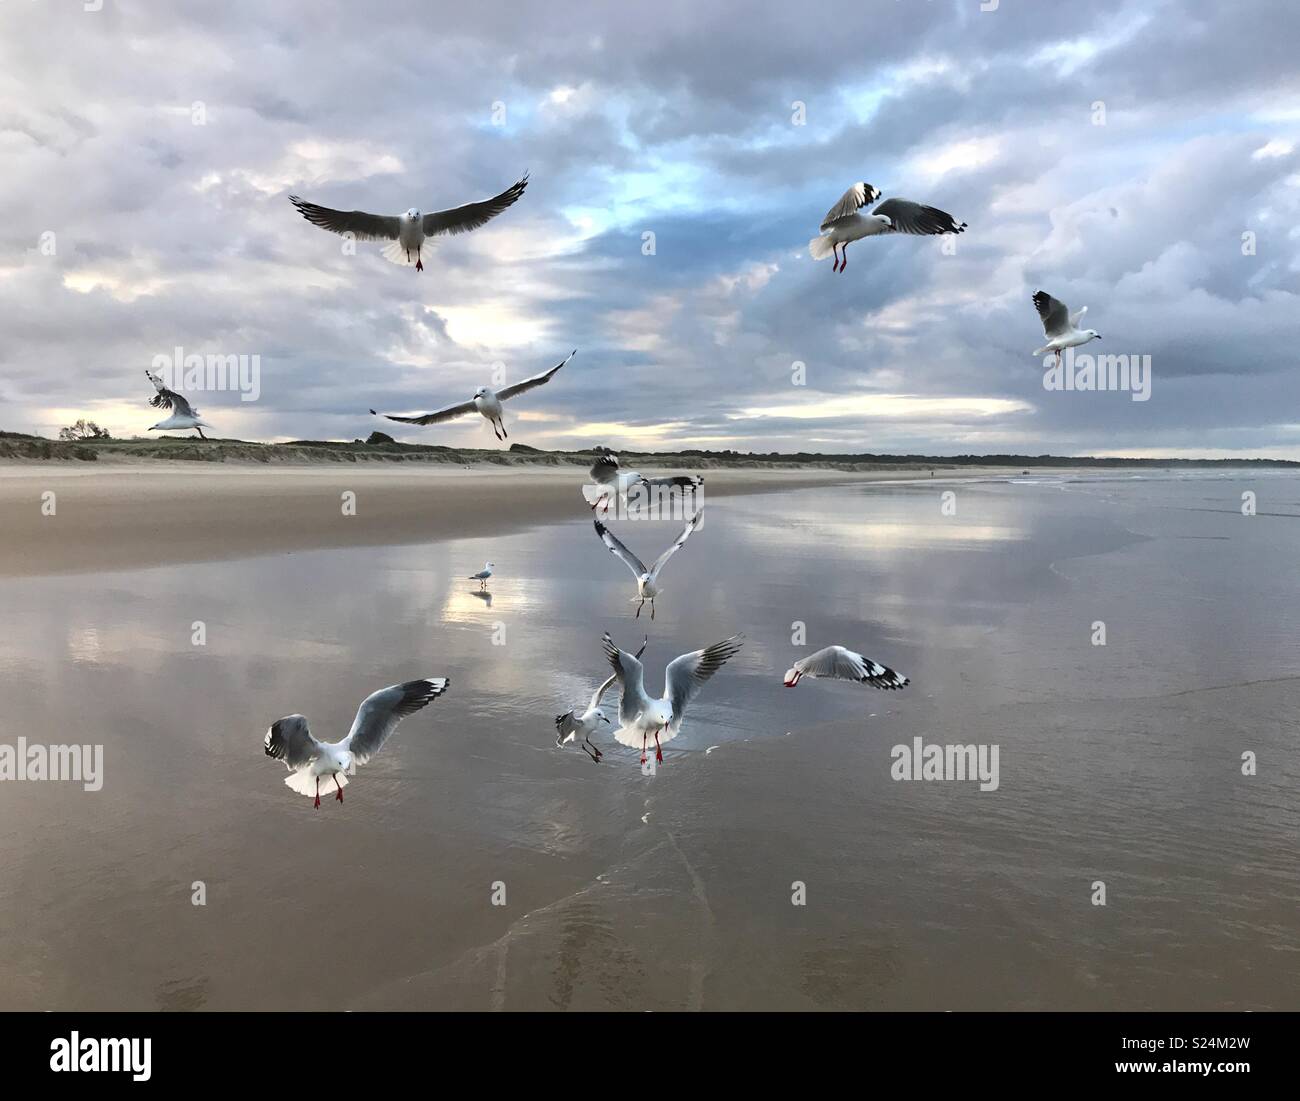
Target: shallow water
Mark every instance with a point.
(1118, 763)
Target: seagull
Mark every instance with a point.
(1060, 325)
(482, 576)
(639, 715)
(485, 401)
(184, 415)
(289, 740)
(408, 232)
(844, 224)
(647, 580)
(613, 482)
(569, 725)
(837, 663)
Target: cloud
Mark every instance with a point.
(153, 148)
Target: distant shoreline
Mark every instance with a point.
(17, 448)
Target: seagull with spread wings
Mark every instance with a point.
(184, 415)
(407, 233)
(289, 739)
(639, 716)
(647, 580)
(1060, 326)
(838, 663)
(843, 224)
(611, 482)
(485, 400)
(569, 725)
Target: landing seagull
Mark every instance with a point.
(289, 740)
(639, 715)
(485, 401)
(843, 224)
(647, 580)
(482, 576)
(408, 232)
(614, 482)
(837, 663)
(569, 725)
(1060, 325)
(184, 415)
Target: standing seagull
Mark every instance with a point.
(647, 580)
(408, 232)
(289, 740)
(485, 401)
(482, 576)
(184, 415)
(1060, 325)
(639, 715)
(569, 725)
(844, 224)
(613, 482)
(837, 663)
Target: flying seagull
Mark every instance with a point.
(482, 576)
(408, 232)
(184, 415)
(485, 401)
(837, 663)
(639, 715)
(844, 224)
(613, 482)
(569, 725)
(289, 740)
(1060, 325)
(647, 580)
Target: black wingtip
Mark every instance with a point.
(600, 528)
(373, 413)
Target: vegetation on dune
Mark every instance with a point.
(380, 447)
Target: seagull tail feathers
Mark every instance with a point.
(820, 247)
(304, 783)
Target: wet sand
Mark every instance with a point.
(125, 515)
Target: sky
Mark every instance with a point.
(1138, 157)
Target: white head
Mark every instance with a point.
(1092, 334)
(412, 215)
(489, 565)
(599, 715)
(660, 713)
(482, 392)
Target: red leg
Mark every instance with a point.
(643, 747)
(846, 256)
(835, 251)
(659, 753)
(318, 793)
(419, 264)
(339, 793)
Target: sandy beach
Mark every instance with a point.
(132, 514)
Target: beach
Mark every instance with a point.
(773, 861)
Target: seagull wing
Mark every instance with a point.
(290, 741)
(630, 560)
(1054, 313)
(686, 675)
(909, 217)
(462, 219)
(691, 525)
(1077, 316)
(536, 380)
(605, 469)
(381, 711)
(631, 675)
(853, 200)
(599, 694)
(362, 226)
(837, 663)
(169, 399)
(432, 418)
(566, 726)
